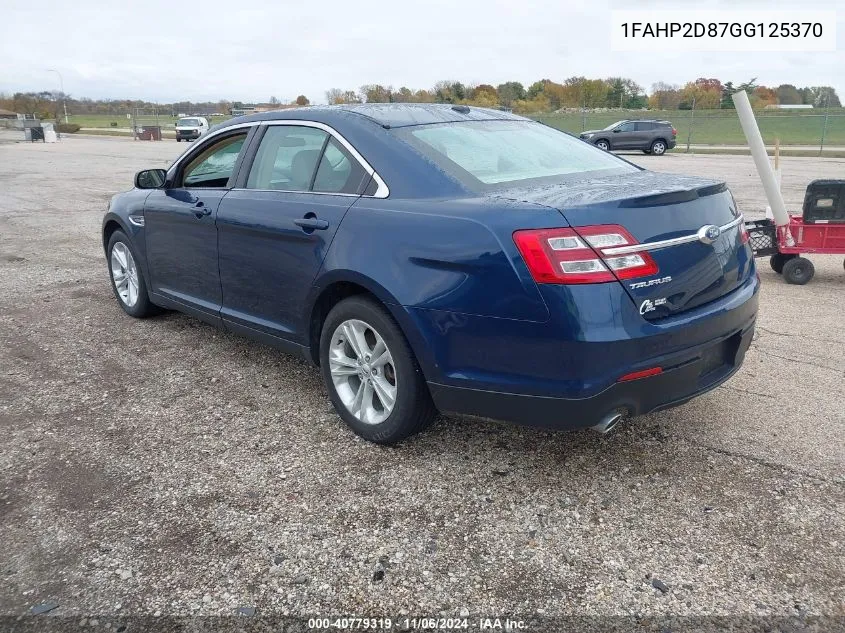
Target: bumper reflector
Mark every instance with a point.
(643, 373)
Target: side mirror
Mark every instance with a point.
(150, 178)
(615, 130)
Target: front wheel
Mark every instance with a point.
(798, 270)
(658, 148)
(603, 145)
(178, 140)
(373, 379)
(127, 278)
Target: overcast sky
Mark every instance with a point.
(248, 51)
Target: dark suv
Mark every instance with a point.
(652, 137)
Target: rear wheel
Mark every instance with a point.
(371, 374)
(603, 145)
(658, 148)
(798, 270)
(777, 261)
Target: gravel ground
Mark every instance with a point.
(162, 466)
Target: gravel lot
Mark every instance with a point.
(162, 466)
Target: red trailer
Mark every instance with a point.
(820, 230)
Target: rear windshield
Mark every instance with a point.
(498, 152)
(189, 122)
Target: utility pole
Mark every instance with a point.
(691, 121)
(824, 127)
(62, 84)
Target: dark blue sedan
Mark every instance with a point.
(436, 257)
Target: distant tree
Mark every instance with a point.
(624, 93)
(509, 92)
(274, 101)
(375, 93)
(788, 95)
(302, 100)
(334, 95)
(448, 91)
(664, 96)
(424, 96)
(764, 96)
(403, 95)
(821, 97)
(701, 96)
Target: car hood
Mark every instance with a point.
(591, 132)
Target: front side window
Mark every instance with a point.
(213, 166)
(626, 127)
(287, 158)
(495, 152)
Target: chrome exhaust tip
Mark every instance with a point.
(609, 422)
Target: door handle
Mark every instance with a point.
(200, 210)
(311, 222)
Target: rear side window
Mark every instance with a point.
(287, 158)
(338, 172)
(645, 127)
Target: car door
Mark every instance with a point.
(275, 227)
(622, 136)
(643, 133)
(181, 236)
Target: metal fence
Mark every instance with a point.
(814, 131)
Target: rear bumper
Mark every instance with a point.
(691, 376)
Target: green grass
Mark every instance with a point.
(719, 127)
(106, 120)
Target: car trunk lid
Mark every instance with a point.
(672, 218)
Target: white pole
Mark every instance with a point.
(761, 159)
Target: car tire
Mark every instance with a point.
(127, 278)
(603, 145)
(355, 331)
(798, 271)
(178, 140)
(658, 148)
(778, 260)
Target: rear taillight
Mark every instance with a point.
(743, 234)
(674, 132)
(575, 256)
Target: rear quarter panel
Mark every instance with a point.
(443, 254)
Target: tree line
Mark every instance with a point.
(539, 97)
(546, 95)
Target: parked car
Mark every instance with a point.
(652, 137)
(191, 128)
(436, 257)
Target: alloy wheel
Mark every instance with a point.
(363, 371)
(124, 273)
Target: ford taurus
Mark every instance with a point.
(437, 257)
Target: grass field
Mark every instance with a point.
(719, 127)
(709, 127)
(105, 120)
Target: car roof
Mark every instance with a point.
(388, 115)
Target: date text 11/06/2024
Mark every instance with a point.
(417, 624)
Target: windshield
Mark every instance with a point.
(189, 122)
(613, 125)
(494, 152)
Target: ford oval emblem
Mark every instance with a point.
(709, 234)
